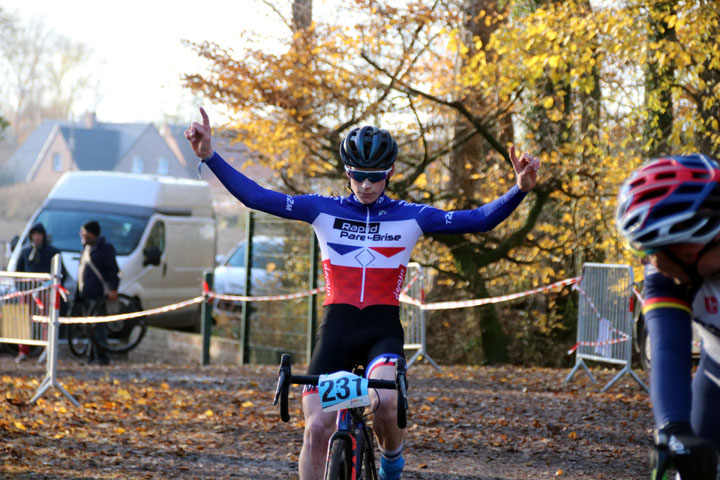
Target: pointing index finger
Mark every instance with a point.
(205, 118)
(513, 157)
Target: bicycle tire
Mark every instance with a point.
(127, 334)
(367, 456)
(339, 466)
(78, 339)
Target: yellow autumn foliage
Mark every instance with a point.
(565, 79)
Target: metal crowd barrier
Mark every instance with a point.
(23, 295)
(20, 325)
(412, 316)
(604, 330)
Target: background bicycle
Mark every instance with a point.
(123, 335)
(351, 452)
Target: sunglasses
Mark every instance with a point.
(374, 176)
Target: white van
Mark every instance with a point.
(162, 228)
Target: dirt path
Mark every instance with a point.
(154, 421)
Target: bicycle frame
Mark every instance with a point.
(351, 425)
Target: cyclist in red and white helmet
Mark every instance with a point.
(669, 212)
(365, 240)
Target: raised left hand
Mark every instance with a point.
(526, 167)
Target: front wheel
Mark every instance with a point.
(339, 466)
(367, 456)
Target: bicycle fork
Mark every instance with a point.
(355, 437)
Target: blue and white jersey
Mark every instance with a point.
(669, 310)
(365, 248)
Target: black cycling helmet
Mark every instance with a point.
(368, 147)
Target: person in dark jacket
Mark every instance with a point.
(97, 279)
(36, 258)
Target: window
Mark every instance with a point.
(57, 162)
(137, 165)
(163, 166)
(123, 231)
(156, 238)
(264, 253)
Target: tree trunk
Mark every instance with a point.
(470, 157)
(658, 79)
(302, 14)
(709, 111)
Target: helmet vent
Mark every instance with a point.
(692, 188)
(648, 237)
(710, 226)
(665, 176)
(670, 210)
(690, 224)
(652, 194)
(638, 182)
(632, 222)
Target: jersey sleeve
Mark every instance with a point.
(252, 195)
(481, 219)
(668, 317)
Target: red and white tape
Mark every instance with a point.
(33, 291)
(409, 283)
(623, 337)
(266, 298)
(485, 301)
(208, 295)
(122, 316)
(599, 344)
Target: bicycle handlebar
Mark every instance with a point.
(286, 378)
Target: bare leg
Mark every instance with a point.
(319, 427)
(389, 435)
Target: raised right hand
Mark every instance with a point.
(200, 136)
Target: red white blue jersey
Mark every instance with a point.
(365, 248)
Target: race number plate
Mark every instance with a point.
(342, 390)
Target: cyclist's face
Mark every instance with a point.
(708, 264)
(687, 252)
(366, 191)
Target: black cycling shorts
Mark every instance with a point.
(349, 336)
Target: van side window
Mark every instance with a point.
(157, 237)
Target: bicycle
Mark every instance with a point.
(351, 454)
(123, 335)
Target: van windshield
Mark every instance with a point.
(63, 226)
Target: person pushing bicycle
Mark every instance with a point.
(365, 241)
(669, 213)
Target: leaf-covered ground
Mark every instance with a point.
(147, 421)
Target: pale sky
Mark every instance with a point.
(137, 55)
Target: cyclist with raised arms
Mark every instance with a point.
(365, 240)
(669, 212)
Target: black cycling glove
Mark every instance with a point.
(693, 457)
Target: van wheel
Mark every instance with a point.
(644, 344)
